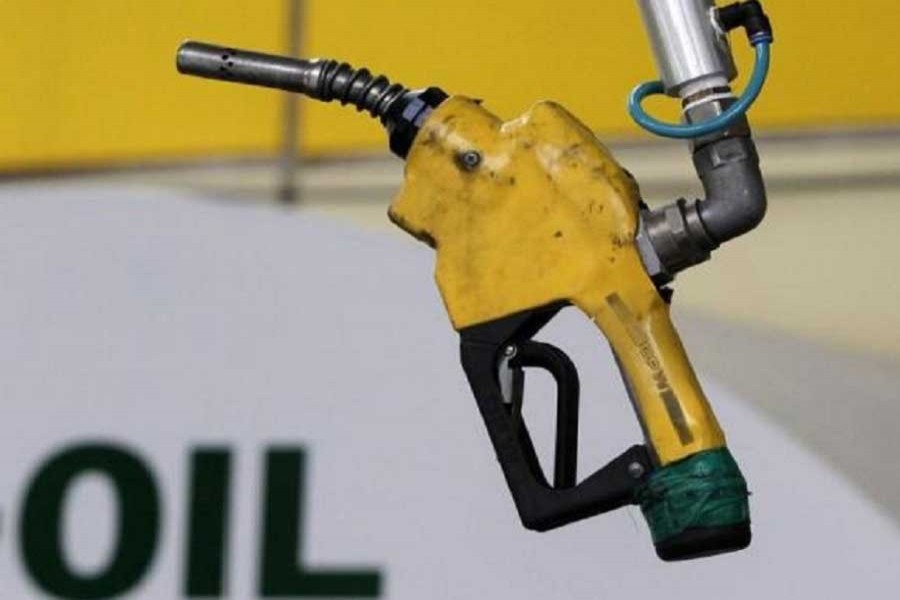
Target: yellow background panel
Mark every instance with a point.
(93, 81)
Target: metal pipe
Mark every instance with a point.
(691, 53)
(254, 68)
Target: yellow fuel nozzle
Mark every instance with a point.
(527, 217)
(534, 214)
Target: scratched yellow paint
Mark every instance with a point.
(548, 216)
(92, 81)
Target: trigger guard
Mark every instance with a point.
(532, 354)
(540, 506)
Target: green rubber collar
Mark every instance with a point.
(705, 490)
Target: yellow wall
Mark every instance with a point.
(92, 81)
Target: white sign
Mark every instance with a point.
(237, 401)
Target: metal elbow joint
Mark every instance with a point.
(683, 234)
(735, 192)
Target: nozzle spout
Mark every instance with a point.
(253, 68)
(400, 110)
(324, 80)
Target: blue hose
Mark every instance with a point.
(727, 118)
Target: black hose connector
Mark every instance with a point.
(406, 116)
(749, 15)
(400, 110)
(374, 94)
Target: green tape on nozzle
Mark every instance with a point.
(697, 506)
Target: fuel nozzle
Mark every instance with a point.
(400, 110)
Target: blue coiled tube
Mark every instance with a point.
(727, 118)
